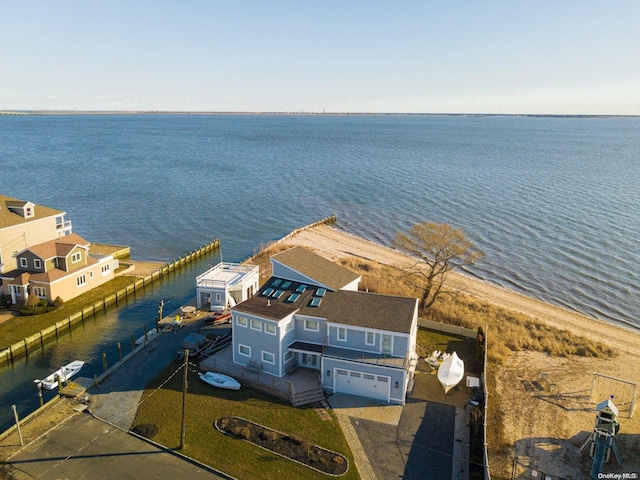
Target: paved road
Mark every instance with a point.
(84, 447)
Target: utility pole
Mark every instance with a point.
(184, 399)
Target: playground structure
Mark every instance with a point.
(602, 440)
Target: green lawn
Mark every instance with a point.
(429, 340)
(19, 327)
(205, 404)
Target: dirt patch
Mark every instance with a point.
(289, 446)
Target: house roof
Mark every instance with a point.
(58, 248)
(18, 276)
(318, 268)
(9, 218)
(359, 309)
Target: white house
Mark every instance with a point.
(226, 285)
(309, 314)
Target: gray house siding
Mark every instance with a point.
(304, 335)
(258, 341)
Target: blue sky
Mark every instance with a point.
(555, 57)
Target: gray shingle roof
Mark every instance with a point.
(312, 265)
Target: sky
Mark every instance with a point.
(482, 56)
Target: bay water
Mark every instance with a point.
(553, 202)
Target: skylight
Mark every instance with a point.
(267, 292)
(320, 292)
(301, 288)
(293, 297)
(277, 293)
(276, 282)
(286, 285)
(315, 301)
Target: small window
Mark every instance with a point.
(387, 343)
(241, 321)
(268, 357)
(37, 263)
(289, 326)
(81, 280)
(218, 297)
(244, 350)
(371, 338)
(270, 328)
(368, 376)
(106, 269)
(23, 262)
(288, 355)
(256, 325)
(342, 334)
(76, 257)
(312, 325)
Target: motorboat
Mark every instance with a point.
(63, 374)
(451, 372)
(220, 380)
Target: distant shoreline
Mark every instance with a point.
(303, 113)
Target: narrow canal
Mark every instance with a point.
(96, 336)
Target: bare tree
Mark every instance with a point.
(437, 248)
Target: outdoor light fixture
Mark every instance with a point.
(396, 384)
(328, 373)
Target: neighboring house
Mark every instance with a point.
(58, 268)
(24, 224)
(226, 285)
(309, 314)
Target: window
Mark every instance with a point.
(268, 357)
(288, 355)
(40, 292)
(106, 269)
(386, 344)
(23, 262)
(81, 280)
(76, 257)
(342, 334)
(256, 325)
(244, 350)
(218, 297)
(368, 376)
(371, 338)
(289, 326)
(311, 325)
(241, 321)
(37, 263)
(270, 328)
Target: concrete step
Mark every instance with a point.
(307, 397)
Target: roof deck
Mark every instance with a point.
(226, 274)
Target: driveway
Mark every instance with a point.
(422, 440)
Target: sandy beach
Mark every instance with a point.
(541, 428)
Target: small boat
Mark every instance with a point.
(451, 372)
(220, 380)
(64, 374)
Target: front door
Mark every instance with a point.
(309, 360)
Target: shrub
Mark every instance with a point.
(58, 302)
(145, 430)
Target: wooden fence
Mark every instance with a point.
(38, 340)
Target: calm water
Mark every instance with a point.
(553, 202)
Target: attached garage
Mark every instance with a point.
(362, 384)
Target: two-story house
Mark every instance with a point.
(310, 314)
(24, 224)
(58, 268)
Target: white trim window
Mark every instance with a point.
(268, 357)
(289, 325)
(76, 257)
(312, 325)
(288, 355)
(244, 350)
(106, 269)
(370, 338)
(242, 321)
(342, 334)
(40, 292)
(23, 262)
(256, 325)
(386, 343)
(270, 328)
(37, 263)
(81, 280)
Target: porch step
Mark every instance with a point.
(308, 396)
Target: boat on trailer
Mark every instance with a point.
(63, 374)
(451, 372)
(220, 380)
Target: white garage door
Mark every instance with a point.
(362, 384)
